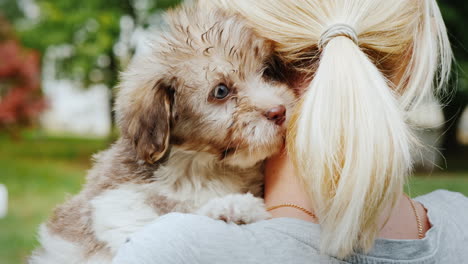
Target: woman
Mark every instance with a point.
(338, 194)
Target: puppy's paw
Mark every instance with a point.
(236, 208)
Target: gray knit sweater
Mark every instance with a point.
(184, 238)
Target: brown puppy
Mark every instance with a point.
(198, 115)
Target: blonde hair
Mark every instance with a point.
(348, 136)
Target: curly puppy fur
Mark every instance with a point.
(180, 146)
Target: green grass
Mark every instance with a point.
(40, 171)
(422, 184)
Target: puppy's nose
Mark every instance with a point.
(276, 114)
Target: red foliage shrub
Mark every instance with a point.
(21, 100)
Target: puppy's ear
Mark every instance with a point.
(145, 115)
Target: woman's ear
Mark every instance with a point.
(144, 114)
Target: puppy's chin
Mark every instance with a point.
(253, 154)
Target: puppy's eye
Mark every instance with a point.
(220, 91)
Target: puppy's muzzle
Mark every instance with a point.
(276, 114)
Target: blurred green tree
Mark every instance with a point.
(92, 36)
(90, 29)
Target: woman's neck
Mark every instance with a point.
(282, 186)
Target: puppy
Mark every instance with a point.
(197, 115)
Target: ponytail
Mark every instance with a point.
(351, 147)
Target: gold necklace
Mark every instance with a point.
(413, 206)
(418, 220)
(292, 206)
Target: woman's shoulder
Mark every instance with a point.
(448, 211)
(446, 201)
(452, 206)
(448, 214)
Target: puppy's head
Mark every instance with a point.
(210, 84)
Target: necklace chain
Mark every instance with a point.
(293, 206)
(413, 206)
(418, 220)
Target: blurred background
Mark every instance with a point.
(59, 60)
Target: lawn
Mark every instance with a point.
(40, 171)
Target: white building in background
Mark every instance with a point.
(72, 108)
(75, 110)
